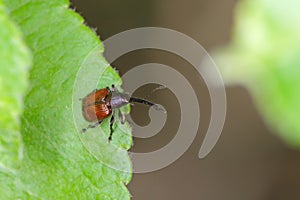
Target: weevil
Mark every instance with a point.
(101, 103)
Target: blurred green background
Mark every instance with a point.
(264, 56)
(256, 44)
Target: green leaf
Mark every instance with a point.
(58, 161)
(14, 61)
(264, 55)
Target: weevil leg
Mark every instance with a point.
(112, 120)
(91, 126)
(113, 88)
(121, 117)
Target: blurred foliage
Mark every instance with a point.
(14, 63)
(264, 55)
(41, 155)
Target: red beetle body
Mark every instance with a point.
(96, 105)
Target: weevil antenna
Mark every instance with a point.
(142, 101)
(146, 102)
(161, 87)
